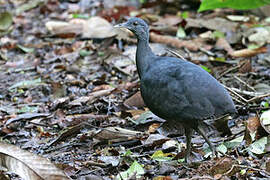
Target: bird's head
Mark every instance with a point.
(138, 26)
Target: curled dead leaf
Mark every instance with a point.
(248, 52)
(135, 100)
(115, 134)
(28, 165)
(253, 123)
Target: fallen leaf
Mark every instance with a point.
(115, 134)
(216, 23)
(222, 166)
(265, 121)
(135, 100)
(259, 35)
(61, 27)
(26, 84)
(160, 156)
(26, 116)
(153, 127)
(192, 45)
(135, 170)
(248, 52)
(238, 18)
(97, 27)
(5, 21)
(28, 165)
(258, 147)
(253, 123)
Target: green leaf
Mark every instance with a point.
(253, 46)
(185, 15)
(258, 147)
(84, 52)
(135, 168)
(160, 156)
(81, 16)
(221, 148)
(181, 32)
(220, 59)
(243, 172)
(218, 34)
(206, 68)
(234, 4)
(5, 21)
(26, 49)
(265, 104)
(101, 53)
(128, 153)
(235, 142)
(265, 118)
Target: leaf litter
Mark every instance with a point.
(69, 94)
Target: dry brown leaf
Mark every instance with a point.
(26, 116)
(60, 27)
(222, 166)
(27, 165)
(102, 87)
(135, 100)
(267, 164)
(248, 52)
(253, 123)
(153, 127)
(216, 23)
(169, 20)
(156, 139)
(115, 134)
(91, 97)
(222, 43)
(245, 66)
(174, 42)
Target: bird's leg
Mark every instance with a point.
(188, 133)
(201, 132)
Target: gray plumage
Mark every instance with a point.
(176, 90)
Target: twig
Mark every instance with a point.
(235, 93)
(177, 54)
(258, 97)
(206, 52)
(240, 102)
(227, 71)
(230, 170)
(247, 167)
(246, 84)
(93, 163)
(248, 93)
(199, 177)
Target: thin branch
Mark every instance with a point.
(243, 82)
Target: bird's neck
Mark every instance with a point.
(144, 56)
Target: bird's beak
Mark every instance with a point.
(122, 25)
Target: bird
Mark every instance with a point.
(177, 90)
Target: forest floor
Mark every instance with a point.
(70, 103)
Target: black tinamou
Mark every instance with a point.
(177, 90)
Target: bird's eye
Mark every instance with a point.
(135, 23)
